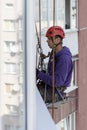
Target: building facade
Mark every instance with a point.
(11, 64)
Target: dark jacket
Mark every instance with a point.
(62, 70)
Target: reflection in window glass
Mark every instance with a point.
(11, 65)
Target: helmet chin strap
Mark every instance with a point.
(58, 44)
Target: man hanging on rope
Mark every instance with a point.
(63, 65)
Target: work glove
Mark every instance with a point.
(37, 72)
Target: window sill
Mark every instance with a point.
(7, 73)
(14, 31)
(71, 30)
(70, 89)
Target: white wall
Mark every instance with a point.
(71, 41)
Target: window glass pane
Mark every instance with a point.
(62, 124)
(10, 46)
(9, 25)
(8, 88)
(11, 65)
(44, 13)
(74, 81)
(60, 13)
(74, 14)
(50, 13)
(10, 68)
(67, 14)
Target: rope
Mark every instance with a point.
(40, 21)
(54, 12)
(40, 64)
(53, 63)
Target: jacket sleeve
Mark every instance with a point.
(60, 74)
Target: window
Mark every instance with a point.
(9, 5)
(8, 88)
(11, 127)
(21, 45)
(70, 14)
(10, 68)
(50, 13)
(44, 14)
(75, 71)
(21, 68)
(60, 13)
(20, 36)
(20, 23)
(9, 25)
(20, 79)
(62, 124)
(70, 122)
(65, 13)
(13, 110)
(74, 14)
(12, 88)
(10, 47)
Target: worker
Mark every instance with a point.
(63, 65)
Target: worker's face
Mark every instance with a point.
(51, 42)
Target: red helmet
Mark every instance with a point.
(55, 30)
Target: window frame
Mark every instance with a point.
(75, 70)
